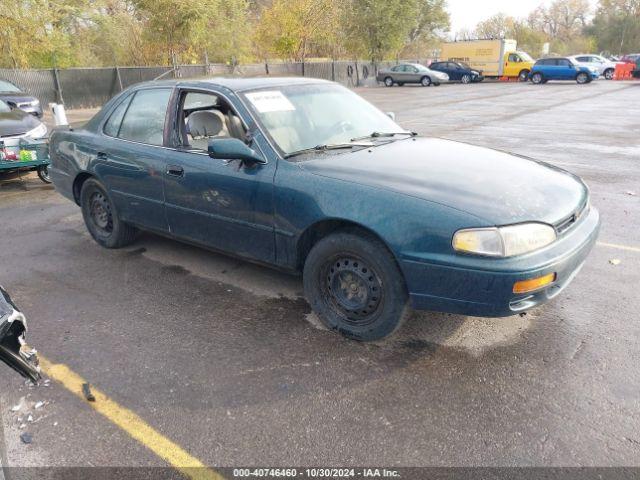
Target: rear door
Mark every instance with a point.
(131, 157)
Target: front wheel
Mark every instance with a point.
(466, 78)
(388, 82)
(43, 173)
(425, 81)
(523, 76)
(608, 73)
(101, 217)
(537, 78)
(582, 78)
(355, 286)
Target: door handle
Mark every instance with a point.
(175, 171)
(101, 156)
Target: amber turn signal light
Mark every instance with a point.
(526, 286)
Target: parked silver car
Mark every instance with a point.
(411, 73)
(605, 67)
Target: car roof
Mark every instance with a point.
(236, 84)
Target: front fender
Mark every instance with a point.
(405, 224)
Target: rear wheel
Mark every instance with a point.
(102, 219)
(425, 81)
(354, 285)
(582, 78)
(523, 76)
(43, 173)
(466, 78)
(388, 82)
(537, 78)
(608, 73)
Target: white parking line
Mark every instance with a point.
(619, 247)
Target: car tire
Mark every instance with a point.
(582, 78)
(425, 81)
(101, 217)
(354, 285)
(388, 81)
(466, 78)
(608, 73)
(537, 78)
(523, 76)
(43, 173)
(436, 84)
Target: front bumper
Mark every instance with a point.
(471, 285)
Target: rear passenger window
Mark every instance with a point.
(144, 120)
(112, 126)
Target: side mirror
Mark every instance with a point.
(233, 149)
(391, 115)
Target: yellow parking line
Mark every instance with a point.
(619, 247)
(131, 423)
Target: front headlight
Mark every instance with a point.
(38, 132)
(504, 241)
(35, 103)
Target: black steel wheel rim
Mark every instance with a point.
(100, 213)
(352, 289)
(44, 172)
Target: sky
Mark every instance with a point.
(467, 13)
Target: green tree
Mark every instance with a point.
(377, 29)
(291, 29)
(616, 26)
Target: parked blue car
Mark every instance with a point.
(562, 68)
(306, 176)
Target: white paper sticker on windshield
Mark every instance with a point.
(270, 101)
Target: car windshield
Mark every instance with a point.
(464, 65)
(299, 117)
(525, 57)
(8, 87)
(4, 108)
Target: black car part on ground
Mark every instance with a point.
(13, 349)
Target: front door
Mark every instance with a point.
(130, 159)
(512, 65)
(566, 69)
(222, 204)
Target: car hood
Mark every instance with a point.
(16, 122)
(498, 187)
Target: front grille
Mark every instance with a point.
(569, 221)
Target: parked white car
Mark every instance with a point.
(605, 67)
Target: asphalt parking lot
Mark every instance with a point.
(223, 358)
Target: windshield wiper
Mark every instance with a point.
(330, 146)
(383, 134)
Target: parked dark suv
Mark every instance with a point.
(16, 98)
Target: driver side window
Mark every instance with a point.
(205, 116)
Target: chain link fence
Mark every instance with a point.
(92, 87)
